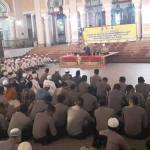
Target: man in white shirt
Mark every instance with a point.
(33, 64)
(17, 65)
(26, 66)
(10, 69)
(40, 63)
(76, 127)
(35, 84)
(47, 59)
(52, 85)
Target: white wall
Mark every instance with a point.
(16, 52)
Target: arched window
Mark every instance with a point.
(123, 13)
(3, 9)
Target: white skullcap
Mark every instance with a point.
(25, 146)
(5, 82)
(103, 44)
(37, 56)
(14, 75)
(24, 75)
(34, 76)
(23, 58)
(34, 54)
(5, 73)
(29, 56)
(46, 54)
(49, 77)
(35, 59)
(15, 132)
(67, 70)
(60, 81)
(113, 123)
(86, 44)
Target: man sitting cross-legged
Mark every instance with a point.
(44, 130)
(76, 127)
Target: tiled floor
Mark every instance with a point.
(113, 72)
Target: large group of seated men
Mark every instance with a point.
(26, 63)
(50, 107)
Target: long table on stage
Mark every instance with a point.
(100, 60)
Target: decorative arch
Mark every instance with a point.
(6, 5)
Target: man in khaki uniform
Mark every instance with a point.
(77, 79)
(44, 121)
(131, 92)
(122, 84)
(21, 121)
(44, 76)
(116, 99)
(102, 115)
(95, 78)
(65, 76)
(39, 106)
(142, 87)
(148, 109)
(90, 101)
(83, 86)
(60, 115)
(135, 120)
(69, 81)
(103, 88)
(73, 95)
(13, 141)
(63, 90)
(114, 140)
(99, 143)
(76, 119)
(3, 122)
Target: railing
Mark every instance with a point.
(16, 44)
(3, 14)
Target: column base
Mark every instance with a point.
(41, 45)
(48, 44)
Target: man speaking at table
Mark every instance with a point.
(87, 50)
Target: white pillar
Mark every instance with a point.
(137, 6)
(107, 8)
(82, 17)
(39, 23)
(18, 19)
(94, 20)
(33, 25)
(74, 21)
(25, 27)
(67, 28)
(12, 29)
(47, 30)
(87, 19)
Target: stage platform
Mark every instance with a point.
(83, 61)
